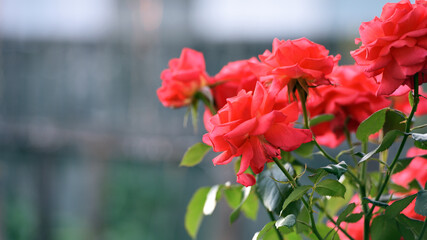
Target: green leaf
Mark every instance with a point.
(250, 206)
(349, 209)
(194, 154)
(354, 217)
(371, 125)
(413, 225)
(406, 233)
(414, 184)
(211, 199)
(293, 236)
(330, 187)
(321, 118)
(315, 178)
(384, 228)
(421, 203)
(236, 212)
(335, 204)
(394, 120)
(260, 235)
(376, 203)
(272, 193)
(421, 145)
(288, 221)
(420, 140)
(305, 150)
(395, 208)
(233, 195)
(401, 164)
(303, 220)
(194, 214)
(398, 188)
(337, 169)
(296, 194)
(388, 140)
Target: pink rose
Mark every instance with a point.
(232, 78)
(394, 46)
(184, 77)
(292, 60)
(351, 100)
(250, 125)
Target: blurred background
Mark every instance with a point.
(86, 149)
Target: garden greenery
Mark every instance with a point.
(251, 117)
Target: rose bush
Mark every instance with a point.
(252, 111)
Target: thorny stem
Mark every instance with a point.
(303, 98)
(294, 185)
(402, 144)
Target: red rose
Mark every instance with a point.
(394, 46)
(351, 100)
(232, 78)
(401, 102)
(417, 169)
(184, 77)
(292, 60)
(252, 126)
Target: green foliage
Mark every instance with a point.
(384, 228)
(395, 208)
(388, 140)
(194, 214)
(371, 125)
(305, 150)
(321, 118)
(260, 235)
(233, 195)
(348, 210)
(354, 217)
(336, 169)
(315, 178)
(394, 120)
(272, 193)
(194, 154)
(288, 221)
(250, 206)
(296, 194)
(421, 203)
(410, 225)
(330, 187)
(236, 212)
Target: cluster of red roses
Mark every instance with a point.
(255, 102)
(256, 112)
